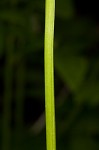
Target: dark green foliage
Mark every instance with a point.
(76, 74)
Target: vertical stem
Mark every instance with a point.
(49, 75)
(7, 95)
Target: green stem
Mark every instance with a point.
(49, 75)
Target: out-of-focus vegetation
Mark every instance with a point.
(22, 124)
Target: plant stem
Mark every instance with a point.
(49, 75)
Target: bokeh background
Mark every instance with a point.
(76, 56)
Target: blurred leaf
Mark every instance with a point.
(29, 141)
(14, 17)
(82, 143)
(87, 124)
(88, 93)
(34, 44)
(64, 9)
(72, 69)
(76, 36)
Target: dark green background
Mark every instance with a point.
(76, 55)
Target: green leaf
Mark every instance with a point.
(29, 141)
(82, 143)
(89, 93)
(75, 37)
(71, 69)
(14, 17)
(64, 9)
(88, 124)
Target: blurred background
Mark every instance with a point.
(76, 56)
